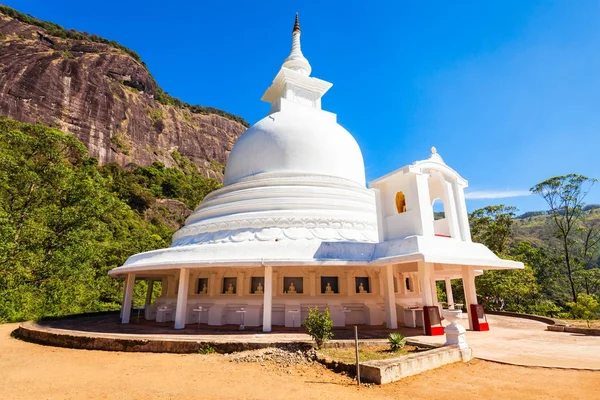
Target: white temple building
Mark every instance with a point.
(295, 226)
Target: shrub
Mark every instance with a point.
(206, 349)
(587, 307)
(396, 341)
(318, 325)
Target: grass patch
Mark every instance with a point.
(368, 353)
(580, 323)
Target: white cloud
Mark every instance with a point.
(496, 194)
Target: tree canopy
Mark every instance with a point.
(65, 222)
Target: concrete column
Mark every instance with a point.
(212, 284)
(391, 318)
(350, 283)
(434, 291)
(123, 299)
(239, 290)
(312, 284)
(450, 212)
(425, 276)
(127, 299)
(424, 208)
(170, 285)
(401, 283)
(182, 296)
(380, 213)
(149, 293)
(275, 282)
(463, 215)
(163, 286)
(468, 276)
(268, 299)
(449, 296)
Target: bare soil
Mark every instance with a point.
(31, 371)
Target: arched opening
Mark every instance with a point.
(400, 202)
(440, 223)
(438, 209)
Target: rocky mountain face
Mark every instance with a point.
(106, 98)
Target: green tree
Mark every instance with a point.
(319, 325)
(61, 228)
(586, 307)
(511, 290)
(492, 225)
(565, 196)
(508, 290)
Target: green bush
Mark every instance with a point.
(586, 307)
(396, 340)
(206, 349)
(319, 325)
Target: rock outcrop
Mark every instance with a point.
(106, 98)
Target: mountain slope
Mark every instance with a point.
(104, 95)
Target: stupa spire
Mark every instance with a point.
(296, 25)
(296, 60)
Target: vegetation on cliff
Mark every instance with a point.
(65, 222)
(161, 96)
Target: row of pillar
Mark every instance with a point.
(426, 278)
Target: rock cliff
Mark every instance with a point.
(106, 98)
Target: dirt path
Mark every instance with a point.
(30, 371)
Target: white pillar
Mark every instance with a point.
(425, 276)
(275, 281)
(350, 287)
(170, 285)
(149, 293)
(213, 285)
(163, 286)
(463, 215)
(425, 211)
(391, 318)
(239, 290)
(434, 292)
(449, 296)
(127, 299)
(450, 212)
(182, 296)
(470, 292)
(123, 299)
(268, 299)
(380, 214)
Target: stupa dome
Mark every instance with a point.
(286, 143)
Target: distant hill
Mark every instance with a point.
(529, 214)
(537, 227)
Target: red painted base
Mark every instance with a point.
(437, 330)
(483, 326)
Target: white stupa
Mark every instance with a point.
(295, 226)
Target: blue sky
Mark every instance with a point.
(508, 91)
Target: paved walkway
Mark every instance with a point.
(525, 342)
(510, 340)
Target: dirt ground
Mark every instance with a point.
(30, 371)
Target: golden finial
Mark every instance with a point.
(433, 150)
(296, 25)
